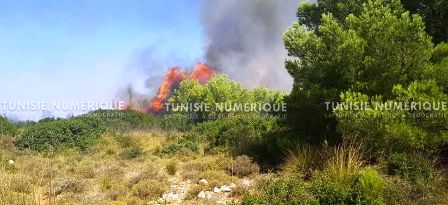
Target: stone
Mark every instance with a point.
(216, 190)
(201, 195)
(246, 182)
(226, 189)
(203, 181)
(170, 197)
(11, 161)
(205, 194)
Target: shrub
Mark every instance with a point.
(243, 166)
(150, 189)
(425, 179)
(328, 191)
(345, 181)
(116, 191)
(187, 143)
(131, 153)
(149, 171)
(127, 120)
(240, 134)
(7, 128)
(410, 167)
(281, 191)
(172, 167)
(371, 187)
(79, 133)
(125, 141)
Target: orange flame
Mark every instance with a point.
(201, 73)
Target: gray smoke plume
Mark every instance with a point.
(244, 39)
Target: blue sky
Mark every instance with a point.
(84, 50)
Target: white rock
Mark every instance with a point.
(170, 197)
(232, 185)
(208, 194)
(202, 195)
(246, 182)
(205, 194)
(216, 190)
(203, 181)
(11, 161)
(226, 189)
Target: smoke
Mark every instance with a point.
(244, 39)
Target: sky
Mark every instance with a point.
(86, 50)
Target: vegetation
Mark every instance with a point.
(7, 128)
(354, 52)
(221, 91)
(127, 120)
(79, 132)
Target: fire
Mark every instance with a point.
(174, 76)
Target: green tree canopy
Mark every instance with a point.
(377, 47)
(221, 89)
(434, 13)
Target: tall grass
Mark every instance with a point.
(302, 160)
(344, 162)
(17, 189)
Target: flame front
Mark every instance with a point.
(174, 76)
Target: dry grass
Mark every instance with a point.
(172, 167)
(302, 160)
(243, 166)
(17, 189)
(100, 176)
(344, 162)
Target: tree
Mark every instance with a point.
(434, 13)
(221, 90)
(397, 130)
(369, 52)
(439, 70)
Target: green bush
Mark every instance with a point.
(371, 187)
(425, 181)
(7, 128)
(411, 167)
(328, 191)
(125, 120)
(281, 191)
(241, 134)
(186, 143)
(78, 132)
